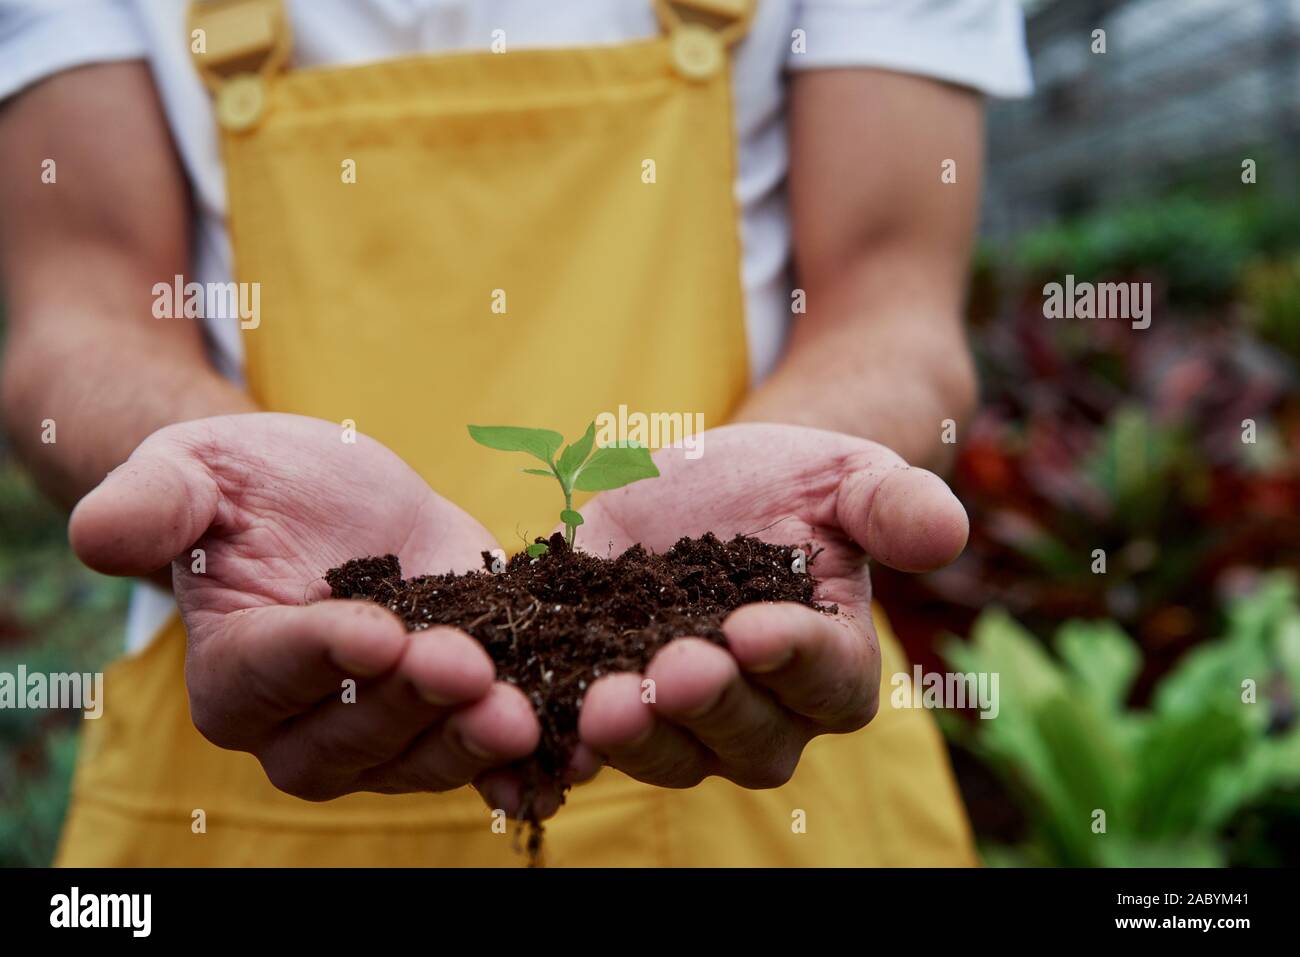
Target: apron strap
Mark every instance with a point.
(233, 37)
(728, 19)
(236, 46)
(700, 31)
(230, 37)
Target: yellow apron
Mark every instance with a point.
(528, 237)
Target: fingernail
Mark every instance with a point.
(436, 699)
(705, 708)
(363, 671)
(477, 750)
(775, 664)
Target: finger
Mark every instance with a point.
(616, 723)
(699, 687)
(504, 789)
(250, 670)
(817, 665)
(906, 518)
(584, 765)
(440, 669)
(498, 728)
(146, 511)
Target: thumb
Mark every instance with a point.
(146, 511)
(906, 518)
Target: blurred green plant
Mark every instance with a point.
(1130, 475)
(1271, 292)
(1122, 473)
(36, 798)
(1197, 251)
(55, 616)
(1219, 740)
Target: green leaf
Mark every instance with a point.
(1210, 675)
(1179, 758)
(1171, 776)
(1198, 850)
(574, 455)
(998, 643)
(547, 472)
(536, 549)
(570, 517)
(614, 466)
(1134, 463)
(1102, 658)
(539, 443)
(1034, 719)
(1089, 769)
(1270, 764)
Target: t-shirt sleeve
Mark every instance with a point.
(41, 37)
(974, 43)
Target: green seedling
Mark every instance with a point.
(582, 466)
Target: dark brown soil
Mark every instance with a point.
(555, 624)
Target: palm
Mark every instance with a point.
(777, 482)
(297, 500)
(788, 673)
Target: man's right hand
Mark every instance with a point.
(273, 501)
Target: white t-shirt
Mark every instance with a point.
(976, 43)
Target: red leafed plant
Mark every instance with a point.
(1169, 457)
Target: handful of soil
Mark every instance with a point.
(554, 624)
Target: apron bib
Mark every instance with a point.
(526, 238)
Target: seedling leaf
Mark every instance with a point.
(537, 549)
(571, 517)
(539, 443)
(614, 466)
(574, 455)
(547, 472)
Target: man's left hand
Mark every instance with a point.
(789, 673)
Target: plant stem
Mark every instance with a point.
(569, 530)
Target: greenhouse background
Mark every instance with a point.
(1163, 680)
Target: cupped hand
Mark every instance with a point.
(250, 510)
(789, 673)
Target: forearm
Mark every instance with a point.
(883, 359)
(884, 187)
(89, 372)
(98, 388)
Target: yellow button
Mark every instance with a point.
(241, 101)
(697, 51)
